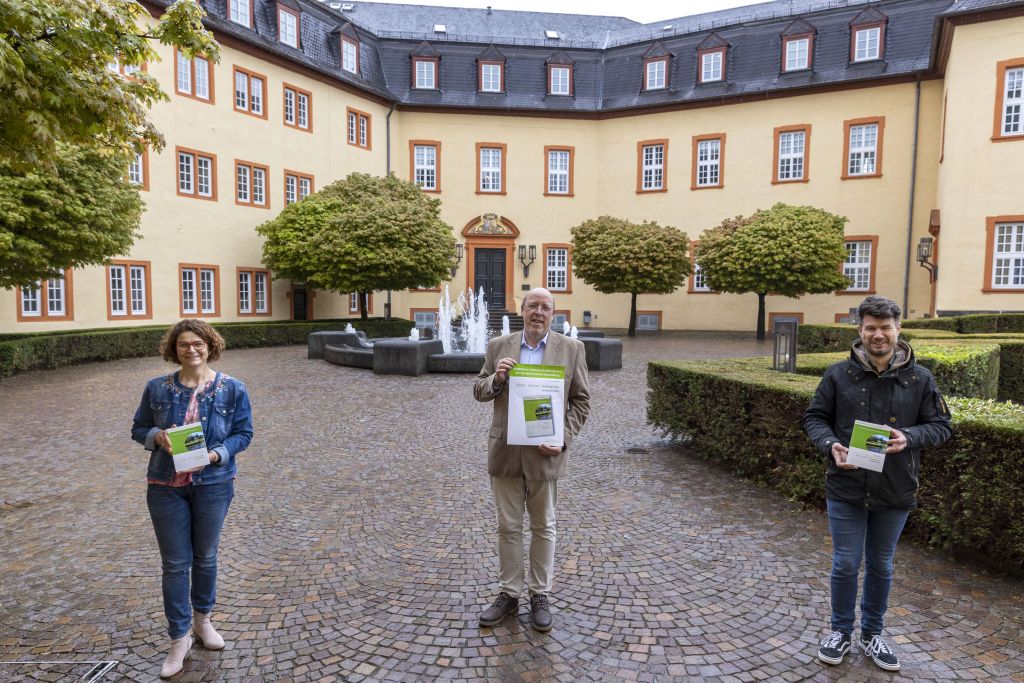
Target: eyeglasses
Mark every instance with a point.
(197, 345)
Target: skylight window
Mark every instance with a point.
(440, 28)
(551, 34)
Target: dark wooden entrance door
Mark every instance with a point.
(489, 273)
(298, 302)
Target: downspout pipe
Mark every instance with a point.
(387, 129)
(910, 201)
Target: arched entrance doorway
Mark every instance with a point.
(490, 252)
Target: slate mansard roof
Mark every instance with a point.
(606, 53)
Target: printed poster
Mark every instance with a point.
(867, 445)
(536, 405)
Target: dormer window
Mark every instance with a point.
(424, 71)
(349, 55)
(712, 66)
(559, 79)
(656, 73)
(492, 77)
(241, 12)
(712, 54)
(796, 53)
(867, 35)
(288, 26)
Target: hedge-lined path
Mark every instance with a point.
(360, 545)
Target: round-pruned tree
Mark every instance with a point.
(362, 234)
(615, 256)
(787, 250)
(71, 72)
(79, 214)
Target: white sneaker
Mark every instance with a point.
(206, 633)
(176, 657)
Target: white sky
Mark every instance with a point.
(644, 11)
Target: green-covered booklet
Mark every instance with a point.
(867, 445)
(188, 447)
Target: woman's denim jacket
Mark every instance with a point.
(224, 412)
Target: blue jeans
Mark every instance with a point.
(187, 521)
(872, 534)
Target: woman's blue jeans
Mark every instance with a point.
(861, 533)
(187, 521)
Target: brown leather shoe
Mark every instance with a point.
(502, 607)
(540, 612)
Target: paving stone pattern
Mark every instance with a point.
(361, 544)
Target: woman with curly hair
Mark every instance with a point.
(188, 508)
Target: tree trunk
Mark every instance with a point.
(632, 314)
(362, 305)
(760, 315)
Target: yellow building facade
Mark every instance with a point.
(935, 152)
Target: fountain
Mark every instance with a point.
(504, 325)
(472, 333)
(565, 328)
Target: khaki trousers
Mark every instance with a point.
(538, 498)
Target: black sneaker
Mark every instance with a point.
(540, 613)
(834, 648)
(502, 607)
(880, 652)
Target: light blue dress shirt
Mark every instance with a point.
(532, 355)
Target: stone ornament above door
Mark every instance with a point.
(490, 225)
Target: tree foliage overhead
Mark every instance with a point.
(55, 84)
(81, 213)
(613, 255)
(787, 250)
(361, 234)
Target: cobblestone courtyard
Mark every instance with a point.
(361, 544)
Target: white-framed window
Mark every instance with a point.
(559, 76)
(490, 77)
(857, 266)
(250, 184)
(863, 149)
(797, 53)
(648, 321)
(1013, 102)
(699, 282)
(137, 170)
(296, 187)
(244, 291)
(654, 74)
(288, 27)
(711, 66)
(260, 291)
(709, 162)
(353, 302)
(30, 297)
(425, 166)
(296, 108)
(127, 289)
(289, 106)
(653, 167)
(239, 12)
(791, 155)
(1008, 256)
(349, 56)
(195, 174)
(425, 319)
(557, 261)
(490, 169)
(198, 290)
(558, 171)
(249, 89)
(867, 44)
(358, 129)
(192, 76)
(426, 74)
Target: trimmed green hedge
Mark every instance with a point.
(53, 350)
(747, 417)
(972, 324)
(969, 370)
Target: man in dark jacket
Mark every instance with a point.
(880, 383)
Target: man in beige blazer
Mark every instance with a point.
(526, 477)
